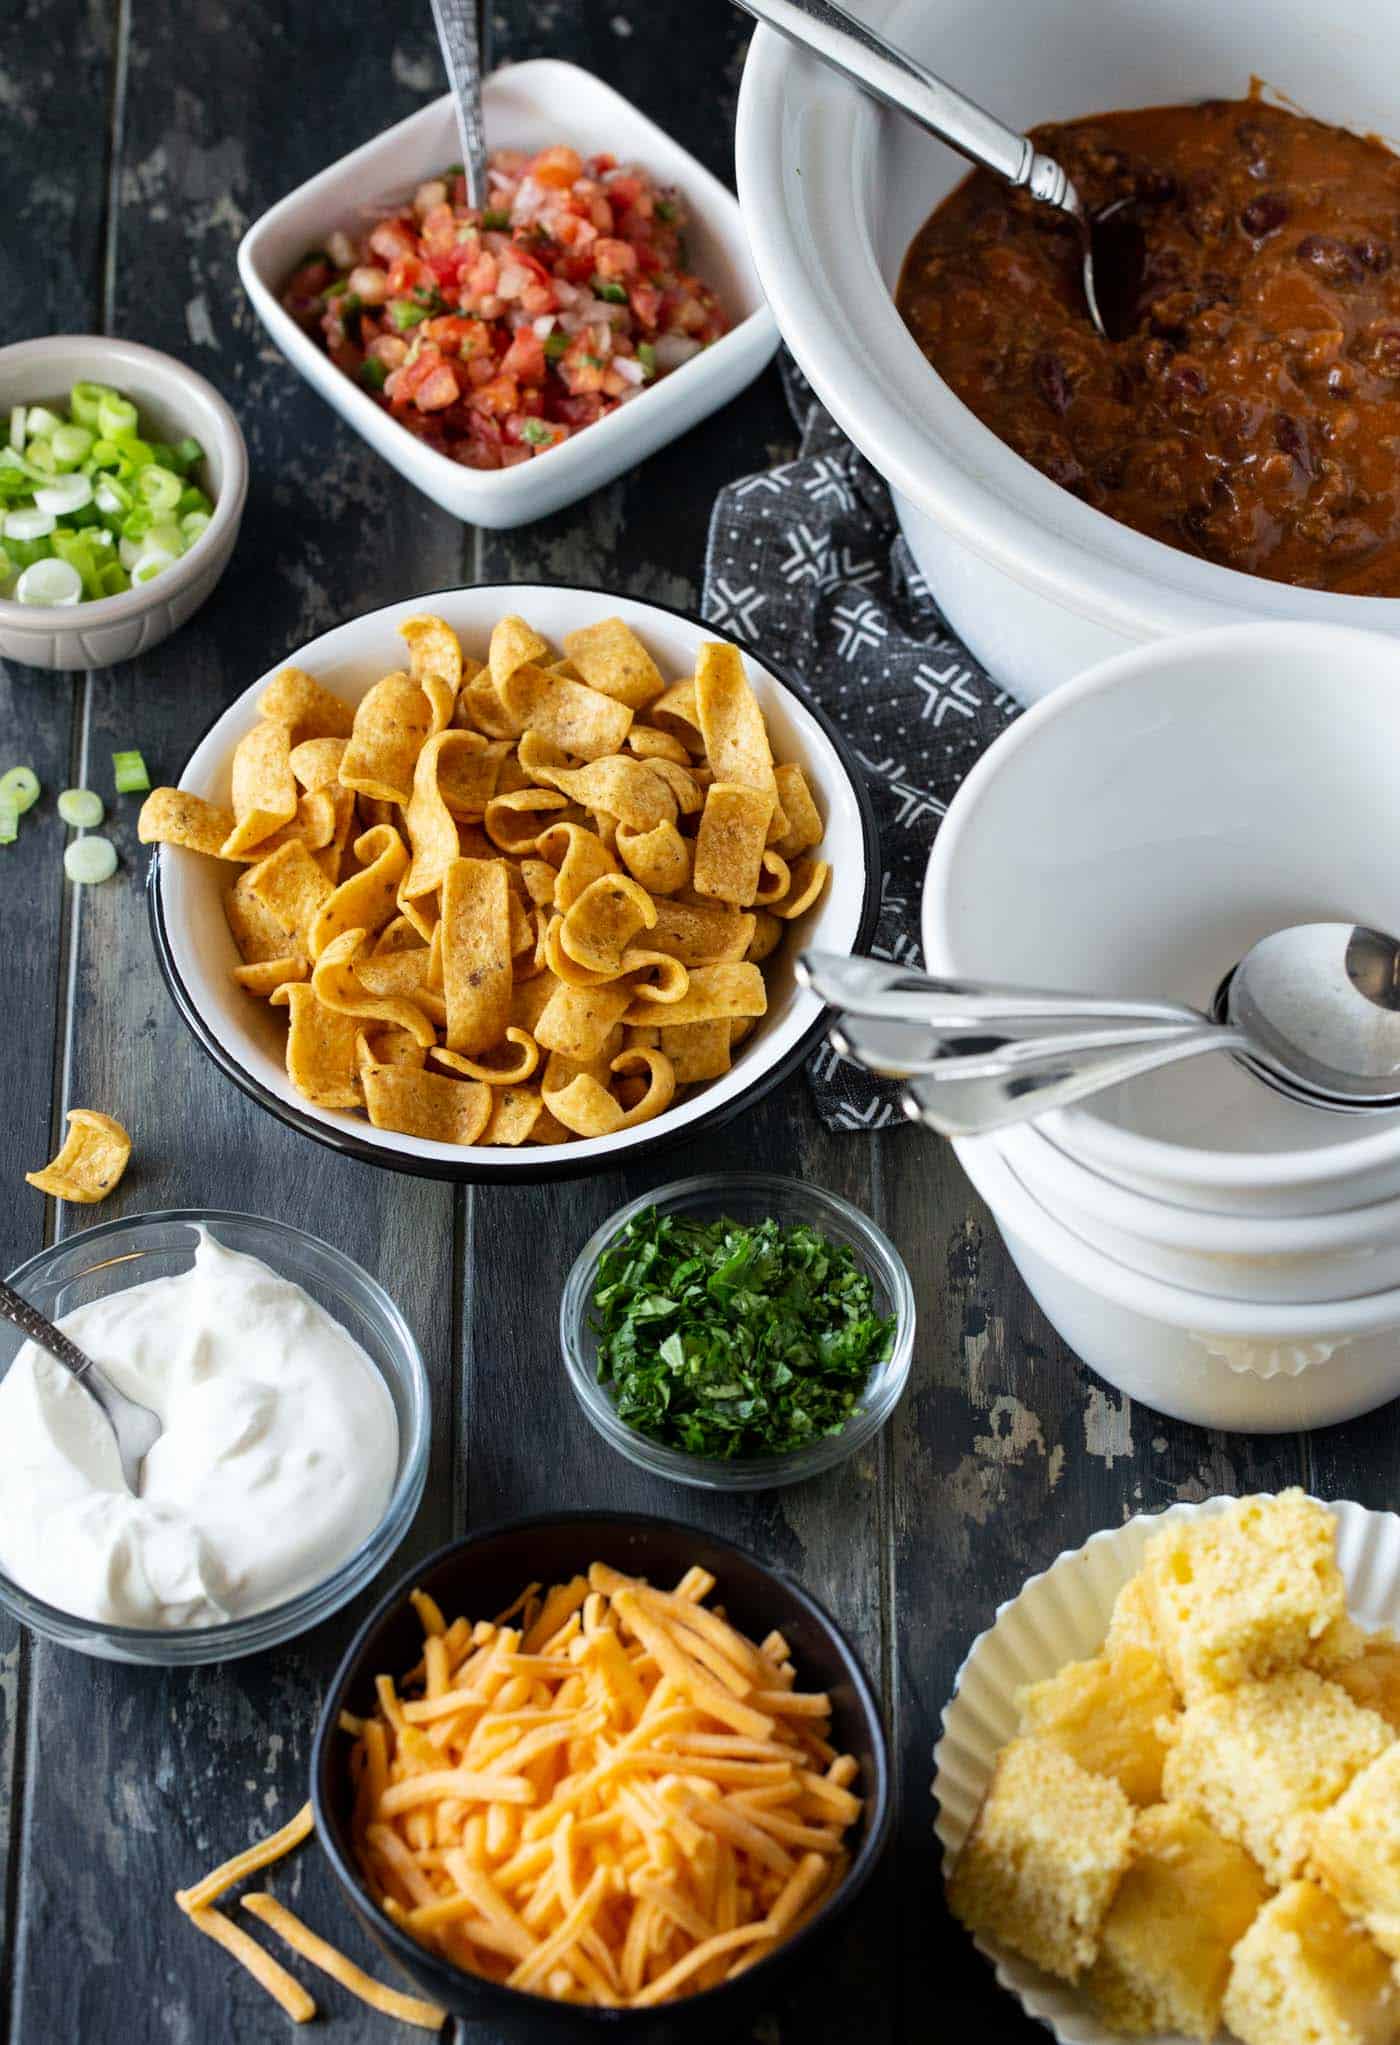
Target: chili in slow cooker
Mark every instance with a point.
(1253, 415)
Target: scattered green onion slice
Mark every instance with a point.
(20, 789)
(9, 823)
(130, 774)
(50, 582)
(82, 808)
(90, 860)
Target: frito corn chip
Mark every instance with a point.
(290, 886)
(701, 933)
(515, 1110)
(774, 880)
(581, 720)
(650, 744)
(398, 935)
(629, 790)
(404, 976)
(429, 823)
(513, 644)
(804, 824)
(476, 968)
(767, 936)
(520, 1068)
(577, 1021)
(658, 858)
(172, 816)
(469, 775)
(268, 975)
(728, 860)
(433, 649)
(610, 657)
(391, 724)
(296, 699)
(580, 856)
(655, 976)
(585, 1106)
(426, 1104)
(683, 784)
(602, 923)
(316, 762)
(660, 1083)
(479, 707)
(264, 789)
(259, 934)
(93, 1157)
(313, 826)
(732, 726)
(387, 1044)
(421, 911)
(714, 992)
(514, 822)
(367, 900)
(529, 999)
(675, 711)
(337, 985)
(697, 1051)
(809, 877)
(539, 878)
(320, 1047)
(331, 857)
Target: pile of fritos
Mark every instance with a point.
(513, 901)
(607, 1795)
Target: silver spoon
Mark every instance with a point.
(462, 34)
(1111, 240)
(1314, 1011)
(135, 1427)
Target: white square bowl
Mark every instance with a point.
(527, 106)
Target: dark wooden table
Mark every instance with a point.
(139, 139)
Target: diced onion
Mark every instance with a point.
(629, 369)
(674, 349)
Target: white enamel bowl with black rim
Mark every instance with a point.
(246, 1038)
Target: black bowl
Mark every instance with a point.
(483, 1573)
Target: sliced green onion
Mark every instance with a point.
(90, 860)
(193, 524)
(82, 808)
(114, 579)
(165, 534)
(111, 497)
(149, 566)
(192, 500)
(71, 445)
(85, 401)
(19, 787)
(49, 582)
(29, 525)
(115, 415)
(9, 823)
(76, 550)
(41, 424)
(17, 424)
(188, 451)
(158, 487)
(129, 772)
(41, 458)
(68, 494)
(24, 553)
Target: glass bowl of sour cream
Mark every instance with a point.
(295, 1447)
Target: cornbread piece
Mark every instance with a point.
(1039, 1868)
(1259, 1762)
(1303, 1974)
(1131, 1622)
(1373, 1679)
(1356, 1850)
(1104, 1715)
(1248, 1593)
(1164, 1952)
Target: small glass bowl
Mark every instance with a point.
(745, 1197)
(128, 1251)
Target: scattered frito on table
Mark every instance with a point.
(514, 901)
(608, 1795)
(95, 1153)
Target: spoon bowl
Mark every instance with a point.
(135, 1428)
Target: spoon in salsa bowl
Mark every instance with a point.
(1111, 240)
(135, 1427)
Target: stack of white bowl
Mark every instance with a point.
(1221, 1253)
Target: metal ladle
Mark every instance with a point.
(135, 1427)
(1314, 1011)
(1111, 240)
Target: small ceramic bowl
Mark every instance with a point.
(483, 1573)
(134, 1248)
(528, 106)
(174, 402)
(745, 1197)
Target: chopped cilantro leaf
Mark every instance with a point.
(723, 1339)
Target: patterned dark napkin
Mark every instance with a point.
(806, 562)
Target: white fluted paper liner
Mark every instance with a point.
(1062, 1616)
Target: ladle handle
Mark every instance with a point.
(997, 1092)
(899, 80)
(20, 1314)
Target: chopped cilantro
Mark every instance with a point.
(556, 345)
(373, 373)
(496, 220)
(603, 287)
(667, 210)
(724, 1339)
(538, 433)
(646, 355)
(403, 314)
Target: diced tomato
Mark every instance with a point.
(645, 301)
(406, 274)
(513, 453)
(499, 397)
(392, 239)
(625, 190)
(613, 258)
(556, 167)
(457, 336)
(437, 390)
(525, 357)
(439, 229)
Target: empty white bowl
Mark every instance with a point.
(247, 1038)
(173, 402)
(527, 106)
(1135, 833)
(834, 188)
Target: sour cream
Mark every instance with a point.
(277, 1460)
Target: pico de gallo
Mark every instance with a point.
(495, 334)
